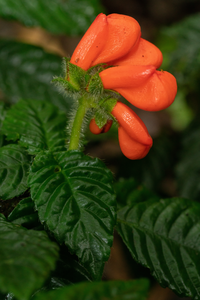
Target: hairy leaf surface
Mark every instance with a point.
(26, 259)
(70, 17)
(165, 237)
(26, 73)
(14, 167)
(38, 125)
(74, 197)
(115, 290)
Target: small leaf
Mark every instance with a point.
(26, 73)
(14, 167)
(26, 257)
(70, 17)
(165, 237)
(77, 204)
(115, 290)
(24, 214)
(37, 124)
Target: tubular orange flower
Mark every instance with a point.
(129, 67)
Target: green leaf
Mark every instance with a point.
(26, 73)
(14, 167)
(70, 17)
(74, 197)
(26, 257)
(115, 290)
(165, 237)
(37, 124)
(24, 214)
(188, 167)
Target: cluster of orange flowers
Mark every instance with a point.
(115, 40)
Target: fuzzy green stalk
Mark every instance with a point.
(77, 124)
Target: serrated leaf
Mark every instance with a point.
(14, 167)
(74, 197)
(165, 237)
(115, 290)
(188, 167)
(70, 17)
(26, 73)
(26, 257)
(24, 214)
(38, 125)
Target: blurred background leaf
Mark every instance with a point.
(70, 17)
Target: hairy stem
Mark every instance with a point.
(77, 125)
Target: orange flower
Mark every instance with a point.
(130, 64)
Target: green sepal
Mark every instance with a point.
(109, 104)
(65, 85)
(95, 85)
(74, 75)
(100, 119)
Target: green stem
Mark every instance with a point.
(77, 124)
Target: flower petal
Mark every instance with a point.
(144, 53)
(126, 76)
(131, 123)
(129, 147)
(123, 33)
(155, 94)
(91, 44)
(94, 128)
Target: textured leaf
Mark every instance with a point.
(74, 197)
(188, 167)
(26, 259)
(62, 17)
(26, 73)
(14, 167)
(150, 170)
(165, 237)
(37, 124)
(115, 290)
(24, 214)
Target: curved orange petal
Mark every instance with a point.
(144, 53)
(133, 125)
(126, 76)
(155, 94)
(94, 128)
(123, 33)
(129, 147)
(91, 44)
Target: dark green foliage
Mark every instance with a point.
(164, 236)
(74, 197)
(14, 167)
(188, 167)
(38, 125)
(26, 73)
(115, 290)
(26, 257)
(152, 169)
(70, 17)
(24, 214)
